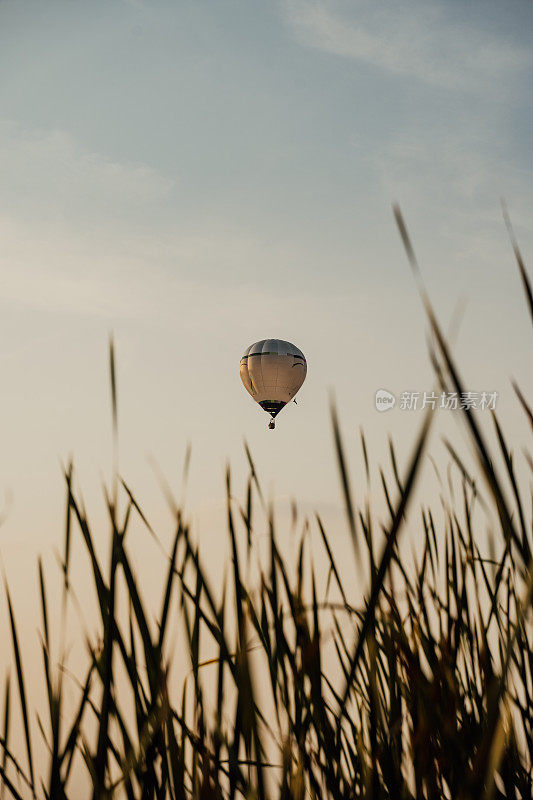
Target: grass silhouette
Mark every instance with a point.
(430, 695)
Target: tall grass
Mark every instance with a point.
(423, 691)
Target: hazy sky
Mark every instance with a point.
(198, 176)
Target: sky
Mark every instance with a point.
(194, 177)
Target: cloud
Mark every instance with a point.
(70, 221)
(44, 170)
(418, 39)
(82, 234)
(456, 172)
(449, 186)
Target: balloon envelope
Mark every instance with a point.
(272, 371)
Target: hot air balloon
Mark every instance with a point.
(272, 371)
